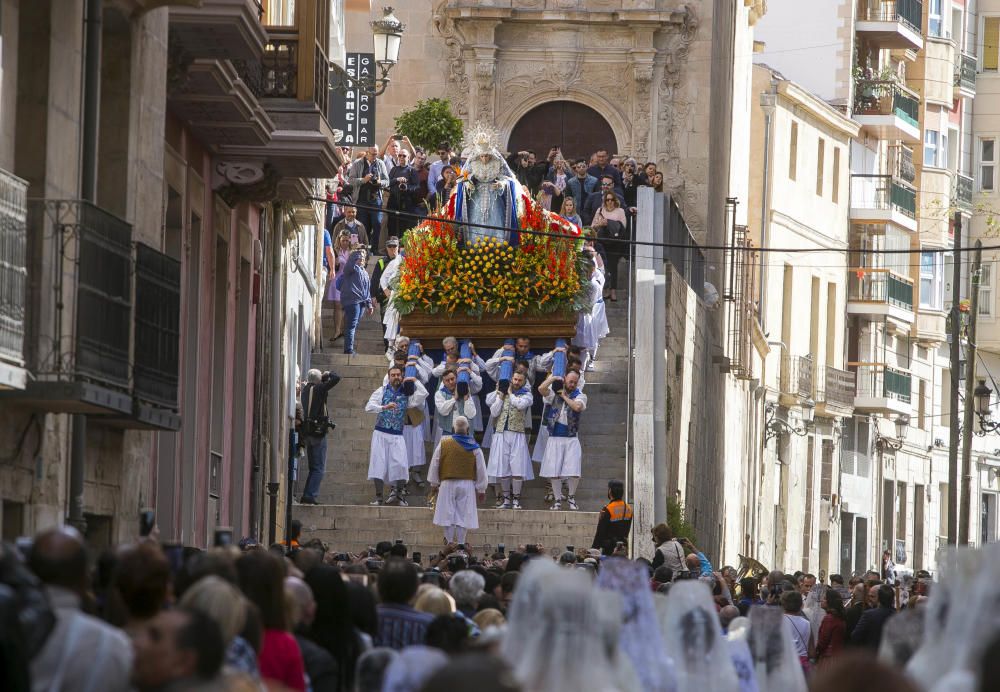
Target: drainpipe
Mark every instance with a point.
(88, 191)
(276, 448)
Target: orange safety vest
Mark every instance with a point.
(619, 510)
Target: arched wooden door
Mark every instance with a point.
(577, 129)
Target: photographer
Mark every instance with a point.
(315, 425)
(368, 177)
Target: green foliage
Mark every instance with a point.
(677, 522)
(429, 123)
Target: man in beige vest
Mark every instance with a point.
(459, 468)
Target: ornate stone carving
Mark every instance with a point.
(484, 83)
(458, 81)
(673, 118)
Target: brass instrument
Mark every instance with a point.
(749, 568)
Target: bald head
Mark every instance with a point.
(59, 558)
(727, 615)
(693, 563)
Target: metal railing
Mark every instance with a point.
(877, 380)
(13, 266)
(835, 386)
(157, 326)
(878, 285)
(280, 66)
(885, 97)
(962, 191)
(688, 261)
(965, 72)
(882, 192)
(85, 313)
(899, 163)
(907, 12)
(797, 376)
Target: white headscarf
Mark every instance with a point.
(410, 670)
(777, 666)
(693, 634)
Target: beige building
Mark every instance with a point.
(800, 184)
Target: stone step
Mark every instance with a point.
(354, 529)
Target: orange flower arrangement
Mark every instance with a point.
(489, 276)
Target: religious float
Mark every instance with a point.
(493, 263)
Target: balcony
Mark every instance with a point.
(796, 380)
(965, 76)
(835, 390)
(961, 196)
(887, 110)
(13, 278)
(881, 389)
(879, 198)
(79, 309)
(219, 29)
(878, 293)
(891, 23)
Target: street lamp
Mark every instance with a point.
(982, 396)
(774, 427)
(902, 423)
(387, 33)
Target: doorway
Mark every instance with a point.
(578, 130)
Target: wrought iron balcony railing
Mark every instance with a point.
(881, 97)
(797, 376)
(13, 266)
(965, 72)
(157, 327)
(908, 12)
(835, 387)
(877, 380)
(882, 192)
(962, 192)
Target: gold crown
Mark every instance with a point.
(480, 139)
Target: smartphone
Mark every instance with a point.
(531, 549)
(223, 537)
(461, 546)
(399, 541)
(341, 557)
(431, 577)
(417, 557)
(147, 518)
(570, 549)
(501, 548)
(174, 552)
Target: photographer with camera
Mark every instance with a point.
(315, 424)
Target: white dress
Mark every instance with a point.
(391, 318)
(592, 326)
(538, 452)
(388, 460)
(563, 456)
(509, 449)
(456, 499)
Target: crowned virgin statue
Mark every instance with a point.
(487, 193)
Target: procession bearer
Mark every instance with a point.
(388, 461)
(510, 462)
(563, 458)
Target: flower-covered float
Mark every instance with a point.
(493, 263)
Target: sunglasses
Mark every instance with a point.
(606, 184)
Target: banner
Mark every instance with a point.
(353, 112)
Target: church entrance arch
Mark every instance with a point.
(577, 129)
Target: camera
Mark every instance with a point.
(223, 537)
(417, 557)
(531, 549)
(501, 548)
(342, 557)
(317, 426)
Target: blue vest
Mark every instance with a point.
(390, 421)
(445, 422)
(572, 424)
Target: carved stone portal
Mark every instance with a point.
(624, 58)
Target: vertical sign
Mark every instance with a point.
(353, 112)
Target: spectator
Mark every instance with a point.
(423, 189)
(529, 171)
(657, 182)
(806, 584)
(868, 632)
(178, 649)
(489, 617)
(444, 188)
(315, 424)
(354, 229)
(861, 673)
(262, 578)
(372, 667)
(749, 595)
(833, 628)
(581, 184)
(436, 169)
(369, 177)
(602, 167)
(434, 601)
(480, 671)
(341, 255)
(467, 587)
(399, 625)
(354, 285)
(223, 603)
(320, 665)
(596, 199)
(414, 665)
(646, 176)
(403, 186)
(81, 652)
(391, 250)
(559, 176)
(798, 627)
(853, 612)
(333, 627)
(448, 632)
(141, 582)
(612, 229)
(548, 198)
(668, 550)
(568, 211)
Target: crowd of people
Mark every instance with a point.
(377, 197)
(305, 616)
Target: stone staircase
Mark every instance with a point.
(345, 521)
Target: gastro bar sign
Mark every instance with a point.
(353, 111)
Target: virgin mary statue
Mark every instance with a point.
(487, 194)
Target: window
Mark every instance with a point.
(935, 25)
(930, 147)
(931, 285)
(991, 43)
(793, 151)
(820, 151)
(986, 290)
(836, 175)
(987, 163)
